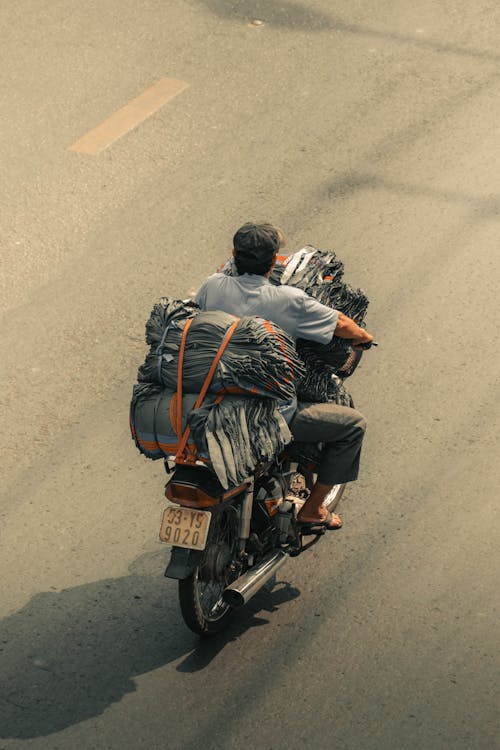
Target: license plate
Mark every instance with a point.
(185, 527)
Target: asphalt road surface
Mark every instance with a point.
(370, 128)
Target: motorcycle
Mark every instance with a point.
(228, 543)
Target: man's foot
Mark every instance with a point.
(326, 519)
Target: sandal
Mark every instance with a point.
(325, 524)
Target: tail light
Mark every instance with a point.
(194, 496)
(189, 495)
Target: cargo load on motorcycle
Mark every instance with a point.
(213, 388)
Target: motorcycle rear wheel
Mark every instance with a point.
(201, 604)
(200, 594)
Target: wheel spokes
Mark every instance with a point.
(211, 602)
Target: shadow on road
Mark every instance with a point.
(286, 13)
(66, 656)
(268, 600)
(294, 15)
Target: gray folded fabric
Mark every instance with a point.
(234, 435)
(260, 357)
(320, 273)
(238, 433)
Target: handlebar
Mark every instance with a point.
(367, 345)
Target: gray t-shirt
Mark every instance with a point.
(301, 316)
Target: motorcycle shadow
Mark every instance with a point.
(68, 655)
(268, 599)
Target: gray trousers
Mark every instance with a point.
(341, 429)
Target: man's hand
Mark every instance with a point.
(348, 329)
(359, 342)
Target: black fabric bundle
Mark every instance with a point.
(335, 354)
(308, 269)
(321, 384)
(164, 314)
(260, 357)
(319, 273)
(349, 300)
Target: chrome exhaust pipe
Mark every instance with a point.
(241, 591)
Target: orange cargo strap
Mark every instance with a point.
(180, 456)
(178, 427)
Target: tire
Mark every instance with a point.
(201, 606)
(333, 497)
(200, 594)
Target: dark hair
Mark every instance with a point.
(255, 247)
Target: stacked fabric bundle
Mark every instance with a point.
(319, 273)
(237, 432)
(307, 269)
(338, 356)
(260, 358)
(234, 434)
(342, 296)
(153, 419)
(321, 384)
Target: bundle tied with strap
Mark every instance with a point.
(260, 358)
(233, 433)
(183, 455)
(213, 354)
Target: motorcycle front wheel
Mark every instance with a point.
(333, 497)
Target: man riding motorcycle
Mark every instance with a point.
(341, 429)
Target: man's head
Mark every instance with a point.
(255, 248)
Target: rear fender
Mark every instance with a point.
(182, 563)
